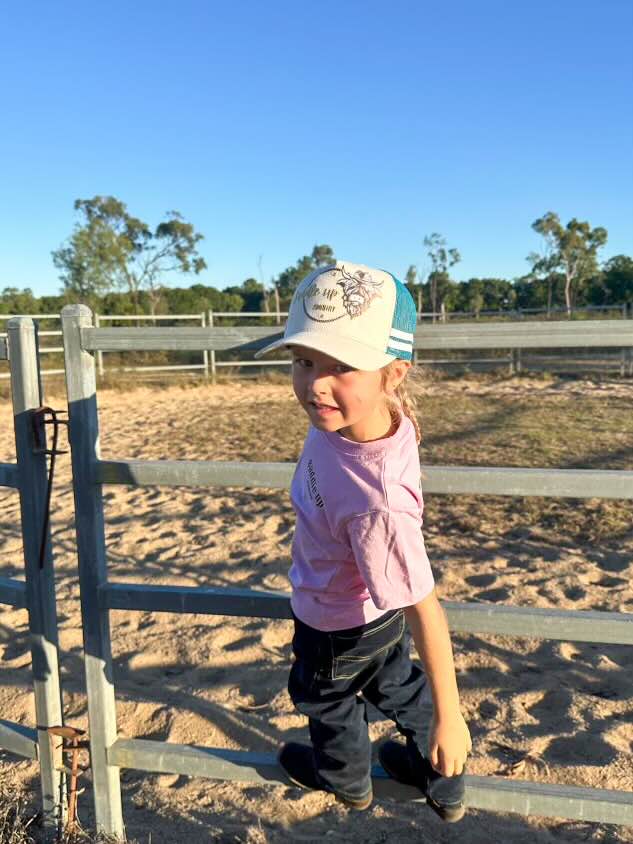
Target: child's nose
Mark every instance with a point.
(319, 382)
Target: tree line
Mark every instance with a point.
(118, 264)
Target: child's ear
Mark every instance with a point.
(397, 373)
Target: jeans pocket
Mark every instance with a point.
(353, 652)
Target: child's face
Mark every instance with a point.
(339, 398)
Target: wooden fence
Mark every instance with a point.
(37, 592)
(110, 751)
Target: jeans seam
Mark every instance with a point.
(350, 660)
(371, 632)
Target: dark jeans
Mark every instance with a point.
(332, 677)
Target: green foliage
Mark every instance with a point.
(111, 249)
(570, 250)
(288, 280)
(439, 283)
(617, 279)
(251, 293)
(15, 301)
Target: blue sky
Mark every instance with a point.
(275, 126)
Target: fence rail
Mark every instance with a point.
(481, 480)
(535, 335)
(210, 364)
(498, 620)
(100, 318)
(110, 752)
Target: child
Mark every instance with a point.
(359, 566)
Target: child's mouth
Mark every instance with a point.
(323, 409)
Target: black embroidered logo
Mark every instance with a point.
(313, 490)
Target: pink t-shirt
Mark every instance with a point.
(358, 549)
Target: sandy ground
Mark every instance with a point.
(548, 711)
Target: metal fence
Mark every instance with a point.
(620, 360)
(110, 751)
(100, 319)
(37, 592)
(617, 361)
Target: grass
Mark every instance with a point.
(19, 824)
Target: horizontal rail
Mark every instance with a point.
(533, 335)
(491, 619)
(18, 739)
(42, 372)
(262, 362)
(13, 592)
(30, 316)
(157, 368)
(605, 628)
(194, 599)
(491, 793)
(172, 338)
(148, 317)
(481, 480)
(249, 314)
(9, 475)
(194, 473)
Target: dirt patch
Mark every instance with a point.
(547, 711)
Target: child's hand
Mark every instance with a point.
(449, 744)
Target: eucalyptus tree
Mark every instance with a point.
(109, 248)
(571, 250)
(441, 260)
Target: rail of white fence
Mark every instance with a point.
(110, 752)
(209, 364)
(36, 592)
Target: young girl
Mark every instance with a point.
(359, 565)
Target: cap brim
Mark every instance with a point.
(351, 352)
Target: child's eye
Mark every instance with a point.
(302, 362)
(342, 367)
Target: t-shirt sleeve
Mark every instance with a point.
(389, 551)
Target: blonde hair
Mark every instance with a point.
(403, 398)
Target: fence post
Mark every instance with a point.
(99, 353)
(213, 367)
(516, 363)
(89, 525)
(205, 353)
(40, 579)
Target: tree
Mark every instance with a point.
(541, 293)
(89, 261)
(486, 294)
(110, 248)
(251, 292)
(322, 255)
(413, 282)
(571, 250)
(441, 260)
(288, 280)
(617, 279)
(16, 301)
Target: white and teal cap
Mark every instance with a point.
(363, 317)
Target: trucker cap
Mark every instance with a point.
(360, 316)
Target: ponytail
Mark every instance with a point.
(408, 408)
(401, 401)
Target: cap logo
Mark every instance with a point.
(326, 303)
